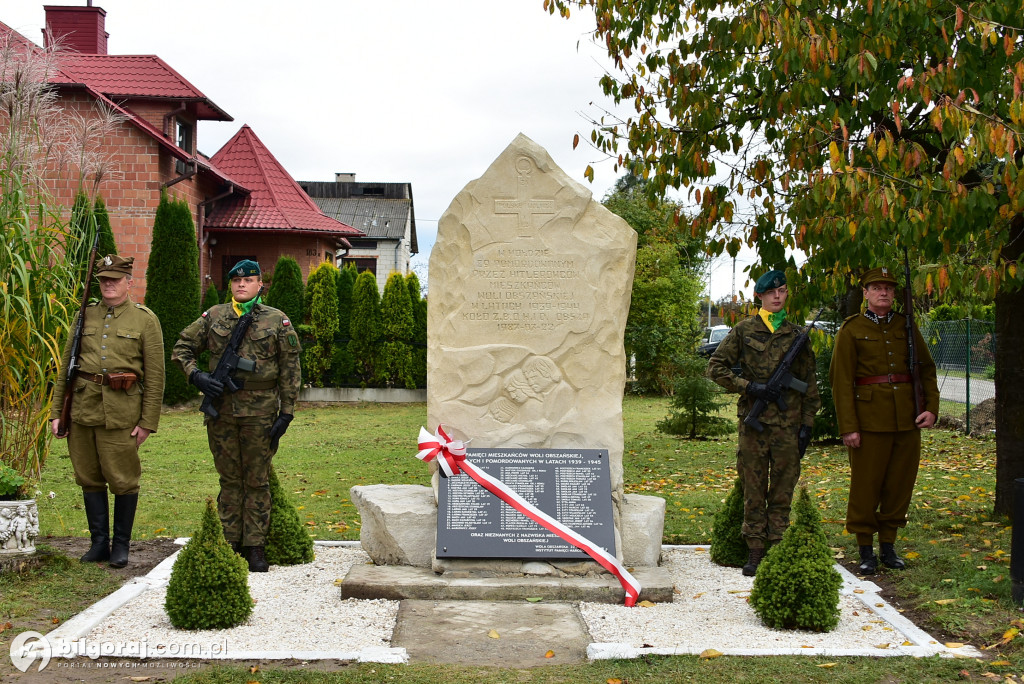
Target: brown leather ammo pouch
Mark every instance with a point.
(121, 381)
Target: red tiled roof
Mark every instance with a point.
(276, 202)
(137, 76)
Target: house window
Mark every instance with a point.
(185, 140)
(362, 243)
(362, 264)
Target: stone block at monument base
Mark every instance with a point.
(398, 523)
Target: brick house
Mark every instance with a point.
(155, 149)
(384, 212)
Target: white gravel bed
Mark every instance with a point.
(710, 610)
(298, 609)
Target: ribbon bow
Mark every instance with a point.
(451, 451)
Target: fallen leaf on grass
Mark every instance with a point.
(1001, 663)
(5, 626)
(911, 555)
(826, 664)
(254, 669)
(945, 602)
(139, 679)
(954, 644)
(709, 653)
(55, 621)
(613, 680)
(493, 634)
(549, 654)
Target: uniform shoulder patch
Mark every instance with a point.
(206, 313)
(286, 322)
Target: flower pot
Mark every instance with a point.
(19, 527)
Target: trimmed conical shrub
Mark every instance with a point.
(286, 289)
(209, 585)
(288, 541)
(796, 586)
(728, 547)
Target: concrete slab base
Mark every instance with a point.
(491, 633)
(400, 582)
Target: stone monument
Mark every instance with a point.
(530, 282)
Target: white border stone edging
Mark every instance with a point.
(82, 624)
(923, 645)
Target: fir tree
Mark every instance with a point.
(322, 289)
(695, 402)
(796, 586)
(288, 540)
(172, 285)
(286, 290)
(209, 586)
(728, 547)
(365, 327)
(397, 321)
(419, 331)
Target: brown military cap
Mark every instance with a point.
(114, 266)
(878, 275)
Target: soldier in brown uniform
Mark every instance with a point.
(118, 392)
(244, 437)
(874, 398)
(768, 462)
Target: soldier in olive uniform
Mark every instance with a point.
(118, 390)
(874, 398)
(768, 462)
(244, 437)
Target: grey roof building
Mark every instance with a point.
(383, 211)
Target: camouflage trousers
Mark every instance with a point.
(768, 464)
(241, 454)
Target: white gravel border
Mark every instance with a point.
(299, 615)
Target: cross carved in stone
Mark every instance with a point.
(524, 207)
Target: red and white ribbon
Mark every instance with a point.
(451, 458)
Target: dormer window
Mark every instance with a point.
(184, 135)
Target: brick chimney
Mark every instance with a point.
(79, 28)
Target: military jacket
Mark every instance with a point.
(271, 341)
(758, 352)
(125, 338)
(865, 349)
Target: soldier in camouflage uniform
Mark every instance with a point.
(768, 462)
(118, 389)
(874, 396)
(244, 437)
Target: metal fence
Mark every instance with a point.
(964, 352)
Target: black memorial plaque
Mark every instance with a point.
(572, 486)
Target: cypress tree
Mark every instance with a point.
(796, 586)
(419, 331)
(364, 328)
(396, 323)
(286, 289)
(83, 225)
(342, 364)
(208, 588)
(322, 289)
(172, 285)
(107, 245)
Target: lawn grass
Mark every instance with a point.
(957, 581)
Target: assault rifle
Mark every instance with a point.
(782, 378)
(74, 362)
(229, 362)
(912, 357)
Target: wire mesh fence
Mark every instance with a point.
(964, 352)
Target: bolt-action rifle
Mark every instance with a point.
(782, 378)
(74, 362)
(229, 362)
(912, 356)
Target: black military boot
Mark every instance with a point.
(124, 520)
(257, 561)
(236, 546)
(754, 557)
(889, 557)
(98, 515)
(868, 561)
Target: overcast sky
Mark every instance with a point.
(421, 91)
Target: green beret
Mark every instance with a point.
(245, 267)
(114, 266)
(770, 281)
(878, 275)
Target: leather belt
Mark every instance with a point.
(878, 379)
(98, 378)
